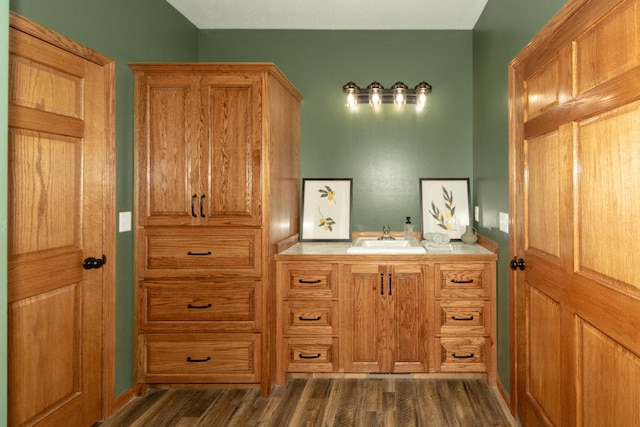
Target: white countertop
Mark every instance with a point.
(340, 248)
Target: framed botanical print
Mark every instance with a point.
(445, 205)
(326, 210)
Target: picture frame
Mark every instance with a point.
(445, 206)
(326, 209)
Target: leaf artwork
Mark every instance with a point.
(326, 223)
(444, 220)
(328, 193)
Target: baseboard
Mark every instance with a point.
(505, 401)
(123, 399)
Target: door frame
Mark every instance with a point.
(35, 30)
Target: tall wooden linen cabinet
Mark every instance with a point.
(217, 184)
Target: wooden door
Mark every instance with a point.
(60, 211)
(574, 141)
(231, 179)
(168, 127)
(387, 311)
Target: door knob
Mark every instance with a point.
(92, 262)
(517, 263)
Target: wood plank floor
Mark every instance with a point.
(388, 402)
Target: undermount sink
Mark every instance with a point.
(371, 245)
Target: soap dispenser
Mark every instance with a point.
(408, 229)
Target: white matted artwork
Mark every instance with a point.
(445, 205)
(326, 210)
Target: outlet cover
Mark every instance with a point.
(504, 222)
(124, 223)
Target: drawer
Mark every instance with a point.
(310, 280)
(191, 251)
(185, 305)
(200, 358)
(308, 354)
(462, 317)
(310, 317)
(461, 354)
(462, 281)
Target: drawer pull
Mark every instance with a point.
(462, 318)
(191, 360)
(199, 306)
(461, 281)
(304, 356)
(199, 253)
(310, 318)
(468, 356)
(309, 282)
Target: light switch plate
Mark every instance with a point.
(476, 213)
(504, 222)
(124, 223)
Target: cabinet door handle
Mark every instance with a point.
(390, 285)
(199, 253)
(462, 318)
(309, 282)
(192, 360)
(466, 356)
(309, 318)
(199, 306)
(193, 211)
(202, 215)
(381, 284)
(304, 356)
(461, 281)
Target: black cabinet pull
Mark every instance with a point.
(310, 318)
(381, 284)
(202, 215)
(191, 360)
(309, 282)
(468, 356)
(193, 211)
(198, 253)
(390, 285)
(462, 318)
(199, 306)
(304, 356)
(461, 281)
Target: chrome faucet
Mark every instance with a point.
(385, 233)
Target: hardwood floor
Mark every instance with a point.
(388, 402)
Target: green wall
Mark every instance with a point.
(503, 29)
(126, 31)
(385, 151)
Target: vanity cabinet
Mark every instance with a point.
(386, 308)
(217, 179)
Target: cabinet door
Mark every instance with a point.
(386, 319)
(232, 146)
(167, 131)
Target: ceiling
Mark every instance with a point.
(332, 14)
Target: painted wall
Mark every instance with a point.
(504, 28)
(127, 31)
(385, 151)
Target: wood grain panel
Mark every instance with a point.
(311, 354)
(41, 333)
(542, 89)
(461, 280)
(609, 391)
(462, 317)
(609, 155)
(44, 212)
(311, 280)
(609, 48)
(543, 214)
(544, 375)
(310, 317)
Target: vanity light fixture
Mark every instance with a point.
(376, 94)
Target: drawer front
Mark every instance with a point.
(465, 281)
(229, 305)
(199, 358)
(315, 280)
(462, 354)
(461, 317)
(190, 251)
(311, 354)
(310, 317)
